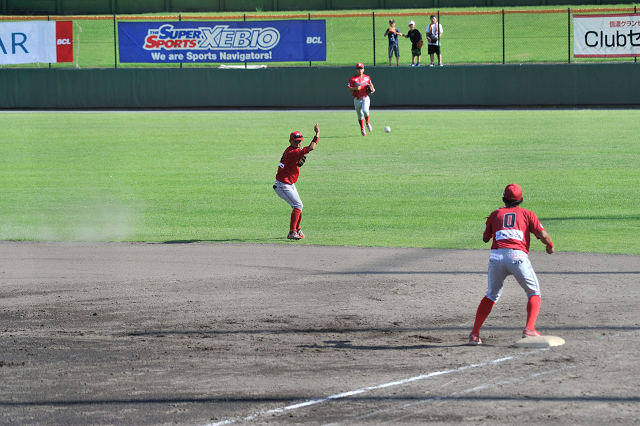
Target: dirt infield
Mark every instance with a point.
(208, 334)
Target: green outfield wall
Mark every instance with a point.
(449, 86)
(97, 7)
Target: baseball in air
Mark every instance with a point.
(387, 129)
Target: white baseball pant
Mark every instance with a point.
(362, 107)
(289, 193)
(505, 262)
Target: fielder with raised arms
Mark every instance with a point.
(288, 171)
(510, 226)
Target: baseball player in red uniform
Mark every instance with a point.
(510, 226)
(288, 171)
(360, 86)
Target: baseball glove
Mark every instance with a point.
(370, 88)
(432, 38)
(302, 160)
(419, 45)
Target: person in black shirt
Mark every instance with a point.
(416, 43)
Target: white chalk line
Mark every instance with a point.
(371, 388)
(450, 396)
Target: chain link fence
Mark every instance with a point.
(469, 38)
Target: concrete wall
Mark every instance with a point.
(449, 86)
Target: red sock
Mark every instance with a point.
(367, 118)
(361, 123)
(299, 220)
(533, 309)
(484, 309)
(295, 219)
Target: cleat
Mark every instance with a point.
(440, 64)
(300, 234)
(293, 236)
(369, 127)
(432, 64)
(527, 332)
(363, 132)
(474, 339)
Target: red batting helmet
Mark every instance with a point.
(295, 136)
(513, 192)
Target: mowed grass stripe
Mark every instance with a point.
(207, 176)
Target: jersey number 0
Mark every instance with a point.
(509, 221)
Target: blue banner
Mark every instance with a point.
(253, 41)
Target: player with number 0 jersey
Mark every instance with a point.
(510, 227)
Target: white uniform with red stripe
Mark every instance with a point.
(510, 228)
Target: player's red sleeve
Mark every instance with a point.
(534, 224)
(488, 229)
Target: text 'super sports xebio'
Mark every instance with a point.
(211, 38)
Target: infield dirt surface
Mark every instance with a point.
(203, 334)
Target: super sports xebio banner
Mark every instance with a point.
(254, 41)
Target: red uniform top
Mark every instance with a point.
(510, 228)
(288, 170)
(362, 83)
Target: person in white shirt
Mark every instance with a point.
(434, 32)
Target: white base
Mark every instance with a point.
(539, 342)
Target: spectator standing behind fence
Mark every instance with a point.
(434, 32)
(393, 34)
(416, 43)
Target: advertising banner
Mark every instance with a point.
(254, 41)
(28, 42)
(606, 36)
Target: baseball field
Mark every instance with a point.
(208, 176)
(146, 278)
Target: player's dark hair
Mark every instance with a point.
(511, 203)
(433, 16)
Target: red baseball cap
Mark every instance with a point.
(513, 192)
(295, 136)
(359, 65)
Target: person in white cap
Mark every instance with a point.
(510, 226)
(416, 43)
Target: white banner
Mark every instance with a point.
(606, 36)
(36, 41)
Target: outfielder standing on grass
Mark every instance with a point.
(288, 171)
(510, 226)
(360, 86)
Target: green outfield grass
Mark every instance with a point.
(467, 39)
(207, 176)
